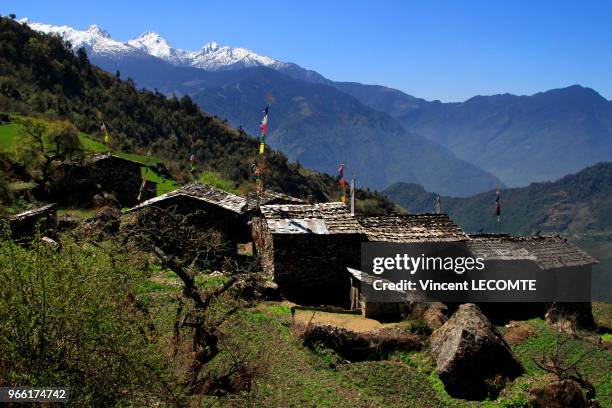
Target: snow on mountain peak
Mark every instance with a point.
(211, 56)
(209, 47)
(95, 30)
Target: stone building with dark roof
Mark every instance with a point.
(77, 181)
(306, 249)
(554, 259)
(25, 225)
(208, 207)
(547, 252)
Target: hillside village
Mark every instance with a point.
(309, 255)
(150, 279)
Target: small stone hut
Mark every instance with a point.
(552, 256)
(433, 230)
(306, 249)
(208, 207)
(24, 226)
(77, 181)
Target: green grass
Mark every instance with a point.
(209, 282)
(152, 287)
(215, 180)
(288, 374)
(140, 158)
(164, 185)
(91, 145)
(81, 213)
(9, 134)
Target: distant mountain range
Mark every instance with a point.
(575, 204)
(520, 139)
(383, 134)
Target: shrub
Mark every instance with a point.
(68, 318)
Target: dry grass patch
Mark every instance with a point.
(517, 333)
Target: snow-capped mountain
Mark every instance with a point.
(210, 57)
(153, 44)
(94, 39)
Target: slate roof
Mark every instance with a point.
(97, 157)
(321, 218)
(411, 228)
(203, 192)
(32, 213)
(271, 197)
(547, 252)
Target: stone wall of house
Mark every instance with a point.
(389, 311)
(75, 183)
(120, 177)
(25, 226)
(264, 246)
(310, 269)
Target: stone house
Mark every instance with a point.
(77, 181)
(435, 232)
(306, 249)
(24, 226)
(553, 258)
(208, 207)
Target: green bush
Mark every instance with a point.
(68, 318)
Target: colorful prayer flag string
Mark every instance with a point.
(264, 128)
(342, 183)
(106, 135)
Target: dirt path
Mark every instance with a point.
(352, 322)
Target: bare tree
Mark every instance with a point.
(552, 363)
(180, 247)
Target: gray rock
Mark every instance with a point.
(472, 358)
(435, 315)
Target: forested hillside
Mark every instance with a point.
(41, 75)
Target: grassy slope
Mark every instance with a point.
(9, 137)
(288, 374)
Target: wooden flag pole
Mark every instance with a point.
(353, 195)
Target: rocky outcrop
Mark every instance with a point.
(472, 358)
(435, 315)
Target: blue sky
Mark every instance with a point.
(447, 50)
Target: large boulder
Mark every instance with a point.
(472, 358)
